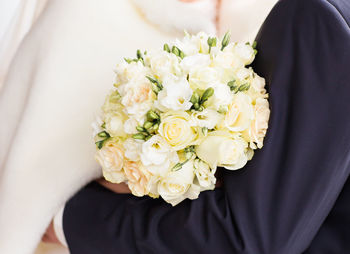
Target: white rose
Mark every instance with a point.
(208, 118)
(220, 148)
(177, 185)
(111, 158)
(115, 124)
(222, 96)
(240, 113)
(257, 131)
(175, 95)
(176, 129)
(205, 176)
(156, 155)
(202, 78)
(164, 63)
(194, 62)
(132, 149)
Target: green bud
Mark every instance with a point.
(103, 126)
(175, 50)
(152, 115)
(139, 54)
(207, 94)
(226, 40)
(182, 55)
(255, 52)
(232, 85)
(201, 108)
(166, 48)
(147, 125)
(139, 136)
(254, 44)
(194, 98)
(211, 42)
(140, 128)
(154, 127)
(196, 105)
(244, 87)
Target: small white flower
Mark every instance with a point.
(205, 176)
(194, 62)
(222, 96)
(132, 149)
(130, 125)
(126, 72)
(175, 95)
(208, 118)
(244, 52)
(114, 124)
(204, 77)
(163, 64)
(156, 155)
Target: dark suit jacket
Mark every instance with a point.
(292, 197)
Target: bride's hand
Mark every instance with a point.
(121, 188)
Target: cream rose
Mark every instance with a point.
(178, 185)
(257, 131)
(138, 178)
(220, 148)
(240, 113)
(193, 44)
(111, 158)
(176, 129)
(156, 155)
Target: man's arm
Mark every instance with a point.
(279, 200)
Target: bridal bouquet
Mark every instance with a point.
(177, 114)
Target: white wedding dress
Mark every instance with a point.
(57, 82)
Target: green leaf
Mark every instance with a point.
(99, 144)
(103, 134)
(254, 44)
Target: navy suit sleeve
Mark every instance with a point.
(277, 203)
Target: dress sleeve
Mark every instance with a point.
(277, 203)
